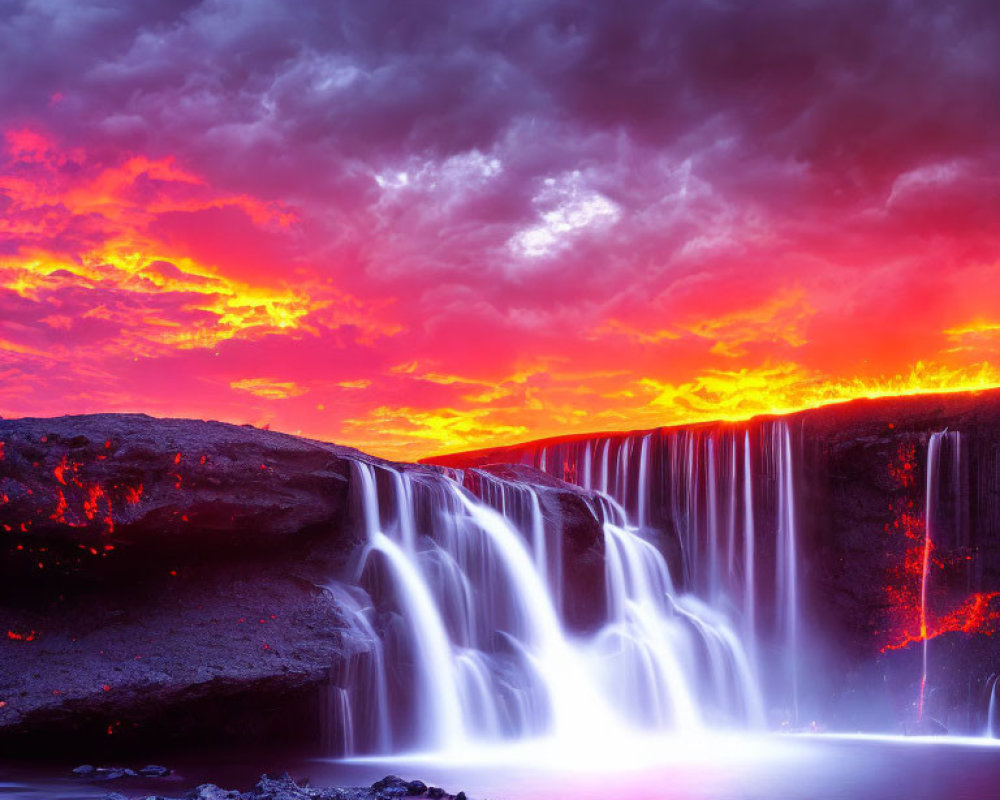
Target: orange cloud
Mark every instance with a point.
(135, 284)
(780, 319)
(268, 389)
(404, 431)
(83, 237)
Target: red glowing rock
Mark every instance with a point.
(78, 494)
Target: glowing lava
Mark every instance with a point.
(919, 614)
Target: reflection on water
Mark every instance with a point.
(716, 768)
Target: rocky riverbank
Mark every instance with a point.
(280, 787)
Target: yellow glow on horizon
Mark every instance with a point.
(725, 396)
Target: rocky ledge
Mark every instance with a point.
(165, 582)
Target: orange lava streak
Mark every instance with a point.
(912, 621)
(60, 471)
(96, 500)
(91, 506)
(903, 471)
(980, 613)
(94, 493)
(59, 515)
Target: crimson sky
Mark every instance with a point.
(421, 227)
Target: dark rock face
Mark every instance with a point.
(863, 473)
(84, 487)
(238, 653)
(163, 581)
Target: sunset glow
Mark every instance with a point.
(371, 236)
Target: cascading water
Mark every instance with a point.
(697, 488)
(992, 727)
(935, 491)
(437, 691)
(459, 596)
(749, 571)
(786, 576)
(519, 504)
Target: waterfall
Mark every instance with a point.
(787, 559)
(604, 466)
(437, 693)
(932, 500)
(457, 593)
(695, 488)
(643, 488)
(749, 569)
(991, 711)
(519, 504)
(356, 705)
(712, 523)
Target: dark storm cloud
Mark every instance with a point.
(795, 108)
(834, 84)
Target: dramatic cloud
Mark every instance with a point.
(415, 227)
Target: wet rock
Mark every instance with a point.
(209, 791)
(115, 796)
(390, 787)
(389, 782)
(85, 770)
(154, 771)
(328, 794)
(281, 787)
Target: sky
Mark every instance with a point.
(417, 228)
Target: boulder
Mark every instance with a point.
(154, 771)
